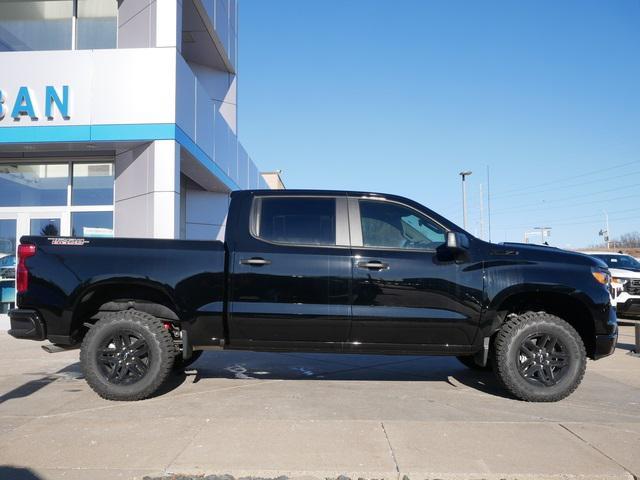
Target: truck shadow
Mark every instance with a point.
(70, 372)
(17, 473)
(243, 365)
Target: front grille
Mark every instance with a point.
(633, 286)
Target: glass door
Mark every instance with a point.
(8, 248)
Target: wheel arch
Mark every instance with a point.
(106, 297)
(561, 304)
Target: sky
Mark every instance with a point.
(400, 96)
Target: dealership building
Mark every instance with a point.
(118, 118)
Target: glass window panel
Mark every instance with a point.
(45, 227)
(7, 237)
(92, 184)
(35, 25)
(7, 264)
(92, 224)
(33, 185)
(307, 221)
(389, 225)
(97, 25)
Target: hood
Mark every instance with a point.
(543, 253)
(624, 273)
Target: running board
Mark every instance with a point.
(51, 348)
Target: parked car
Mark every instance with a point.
(625, 273)
(8, 266)
(321, 271)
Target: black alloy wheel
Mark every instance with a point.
(543, 359)
(539, 357)
(127, 355)
(124, 358)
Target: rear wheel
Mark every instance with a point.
(539, 357)
(127, 355)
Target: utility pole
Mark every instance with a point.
(605, 233)
(464, 175)
(481, 214)
(488, 204)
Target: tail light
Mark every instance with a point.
(22, 273)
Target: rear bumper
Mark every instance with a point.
(26, 324)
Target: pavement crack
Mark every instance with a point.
(598, 450)
(393, 454)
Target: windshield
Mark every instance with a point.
(624, 262)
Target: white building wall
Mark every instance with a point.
(147, 191)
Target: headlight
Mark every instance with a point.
(619, 280)
(601, 276)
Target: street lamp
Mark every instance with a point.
(464, 175)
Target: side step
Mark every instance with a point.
(51, 348)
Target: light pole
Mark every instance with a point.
(464, 175)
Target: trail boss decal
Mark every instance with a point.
(74, 242)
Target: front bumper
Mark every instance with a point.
(629, 308)
(26, 324)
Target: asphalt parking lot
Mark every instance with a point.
(315, 415)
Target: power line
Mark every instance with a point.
(580, 204)
(599, 180)
(586, 174)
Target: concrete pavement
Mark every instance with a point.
(315, 415)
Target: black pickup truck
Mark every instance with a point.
(321, 271)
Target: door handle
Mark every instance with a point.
(255, 261)
(373, 265)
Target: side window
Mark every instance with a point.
(390, 225)
(301, 220)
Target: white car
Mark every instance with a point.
(625, 281)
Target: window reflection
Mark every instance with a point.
(92, 184)
(45, 227)
(97, 24)
(33, 185)
(35, 25)
(92, 224)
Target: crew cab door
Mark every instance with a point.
(408, 291)
(290, 266)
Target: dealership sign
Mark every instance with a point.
(26, 103)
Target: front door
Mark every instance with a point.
(408, 292)
(290, 272)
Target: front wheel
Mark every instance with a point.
(127, 355)
(539, 357)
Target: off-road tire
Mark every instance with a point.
(469, 362)
(160, 358)
(179, 363)
(506, 358)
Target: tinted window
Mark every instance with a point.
(620, 261)
(395, 226)
(308, 221)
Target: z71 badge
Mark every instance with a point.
(79, 242)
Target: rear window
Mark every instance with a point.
(301, 220)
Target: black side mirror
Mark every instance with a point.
(457, 241)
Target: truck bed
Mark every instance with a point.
(66, 273)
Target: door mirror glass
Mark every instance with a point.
(457, 241)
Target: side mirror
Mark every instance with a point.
(457, 241)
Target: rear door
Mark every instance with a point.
(408, 291)
(290, 267)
